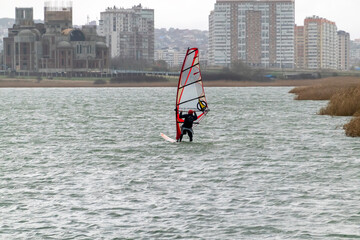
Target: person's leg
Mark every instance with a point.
(190, 135)
(182, 134)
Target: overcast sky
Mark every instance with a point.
(193, 14)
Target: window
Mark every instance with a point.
(78, 49)
(114, 24)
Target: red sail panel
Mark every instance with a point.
(190, 90)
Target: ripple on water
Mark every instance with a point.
(91, 165)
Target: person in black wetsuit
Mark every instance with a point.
(188, 123)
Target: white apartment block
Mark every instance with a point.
(129, 32)
(173, 57)
(257, 32)
(321, 43)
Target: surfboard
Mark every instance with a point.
(167, 138)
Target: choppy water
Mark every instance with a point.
(89, 164)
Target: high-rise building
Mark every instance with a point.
(299, 47)
(355, 53)
(257, 32)
(129, 32)
(344, 50)
(321, 43)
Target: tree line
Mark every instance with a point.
(238, 71)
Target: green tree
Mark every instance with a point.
(241, 68)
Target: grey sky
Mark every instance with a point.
(193, 14)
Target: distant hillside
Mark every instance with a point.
(181, 39)
(7, 21)
(173, 38)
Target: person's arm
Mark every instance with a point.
(196, 117)
(181, 115)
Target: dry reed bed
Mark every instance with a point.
(345, 102)
(317, 92)
(324, 89)
(344, 96)
(352, 129)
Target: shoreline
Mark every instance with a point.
(46, 83)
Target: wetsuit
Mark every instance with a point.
(187, 125)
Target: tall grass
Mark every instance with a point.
(344, 96)
(324, 89)
(346, 102)
(317, 92)
(352, 129)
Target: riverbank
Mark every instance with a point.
(56, 83)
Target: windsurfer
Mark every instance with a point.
(188, 124)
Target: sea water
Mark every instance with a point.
(90, 164)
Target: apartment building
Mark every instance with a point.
(257, 32)
(173, 57)
(355, 53)
(321, 43)
(129, 32)
(344, 50)
(299, 47)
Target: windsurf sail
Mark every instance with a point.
(190, 90)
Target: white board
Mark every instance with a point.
(167, 138)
